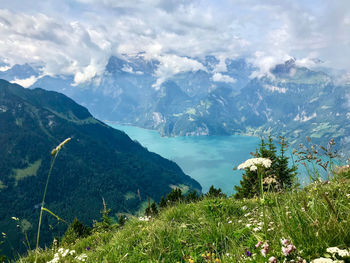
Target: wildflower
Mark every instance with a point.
(343, 253)
(265, 249)
(259, 244)
(247, 253)
(332, 250)
(272, 260)
(301, 260)
(322, 260)
(230, 222)
(256, 229)
(288, 249)
(145, 218)
(64, 252)
(340, 252)
(56, 259)
(253, 162)
(244, 208)
(253, 168)
(81, 257)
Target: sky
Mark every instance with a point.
(77, 37)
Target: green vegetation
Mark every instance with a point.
(288, 225)
(228, 230)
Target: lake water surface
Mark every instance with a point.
(207, 159)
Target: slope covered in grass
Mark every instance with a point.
(308, 221)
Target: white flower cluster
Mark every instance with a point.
(338, 251)
(145, 218)
(61, 253)
(335, 254)
(253, 163)
(81, 257)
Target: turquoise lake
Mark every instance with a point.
(207, 159)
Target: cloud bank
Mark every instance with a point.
(78, 36)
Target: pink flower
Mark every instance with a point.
(265, 249)
(288, 249)
(272, 260)
(259, 244)
(285, 242)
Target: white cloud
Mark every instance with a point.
(25, 82)
(218, 77)
(78, 36)
(265, 62)
(172, 64)
(4, 68)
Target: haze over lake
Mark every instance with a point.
(207, 159)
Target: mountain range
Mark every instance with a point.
(99, 162)
(290, 100)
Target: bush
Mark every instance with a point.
(75, 231)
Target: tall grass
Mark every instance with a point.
(54, 154)
(228, 230)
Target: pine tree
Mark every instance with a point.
(162, 203)
(75, 230)
(280, 175)
(213, 192)
(192, 196)
(154, 209)
(286, 175)
(121, 220)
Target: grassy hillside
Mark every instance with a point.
(302, 224)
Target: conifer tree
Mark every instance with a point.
(154, 209)
(162, 203)
(279, 176)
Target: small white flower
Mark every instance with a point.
(332, 250)
(244, 208)
(257, 229)
(65, 252)
(253, 168)
(230, 222)
(56, 259)
(81, 257)
(322, 260)
(343, 253)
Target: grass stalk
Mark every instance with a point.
(54, 154)
(42, 205)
